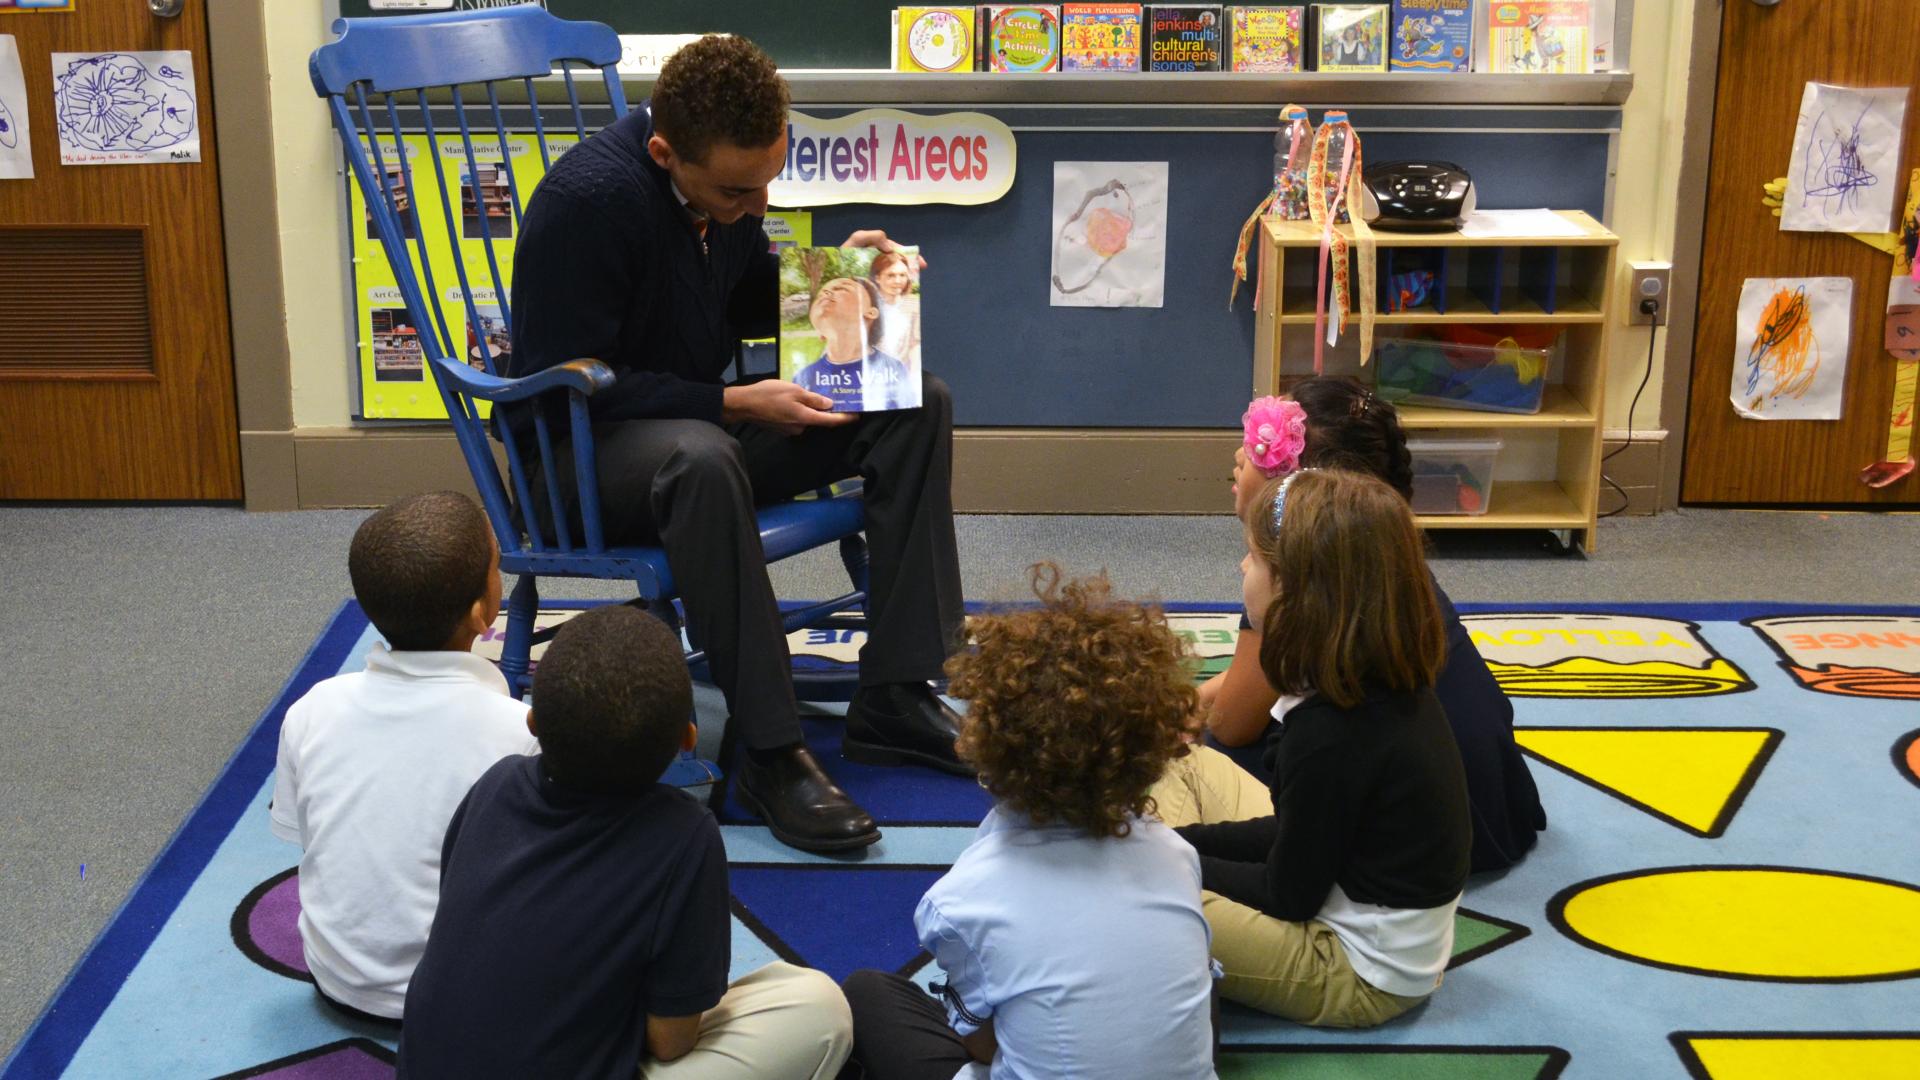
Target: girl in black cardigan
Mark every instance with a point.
(1331, 895)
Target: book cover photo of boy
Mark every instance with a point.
(836, 326)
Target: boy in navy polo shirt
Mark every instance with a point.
(583, 927)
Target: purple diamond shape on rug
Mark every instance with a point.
(838, 919)
(894, 796)
(348, 1059)
(266, 926)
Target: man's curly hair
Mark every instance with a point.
(719, 89)
(1075, 707)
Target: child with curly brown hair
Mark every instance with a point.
(1069, 932)
(1331, 893)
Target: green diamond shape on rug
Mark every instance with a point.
(1475, 934)
(1393, 1063)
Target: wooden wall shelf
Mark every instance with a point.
(910, 89)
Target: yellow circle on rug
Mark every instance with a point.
(1774, 923)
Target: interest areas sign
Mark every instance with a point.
(889, 156)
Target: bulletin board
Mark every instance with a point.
(392, 369)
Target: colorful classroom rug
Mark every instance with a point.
(1730, 886)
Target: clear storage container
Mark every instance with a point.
(1452, 476)
(1504, 378)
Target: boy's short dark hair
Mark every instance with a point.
(719, 89)
(418, 566)
(612, 700)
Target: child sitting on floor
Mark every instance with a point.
(1069, 931)
(372, 763)
(584, 928)
(1331, 895)
(1335, 422)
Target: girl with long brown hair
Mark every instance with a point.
(1331, 893)
(1346, 427)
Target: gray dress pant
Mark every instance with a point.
(691, 486)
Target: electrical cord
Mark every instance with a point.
(1648, 306)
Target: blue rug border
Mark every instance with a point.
(56, 1035)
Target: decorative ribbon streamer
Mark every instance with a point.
(1288, 195)
(1327, 196)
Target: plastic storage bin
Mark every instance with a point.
(1504, 378)
(1452, 476)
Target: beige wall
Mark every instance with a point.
(312, 255)
(314, 258)
(1645, 190)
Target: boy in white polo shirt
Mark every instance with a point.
(373, 763)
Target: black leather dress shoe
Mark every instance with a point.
(903, 724)
(802, 805)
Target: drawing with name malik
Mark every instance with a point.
(850, 326)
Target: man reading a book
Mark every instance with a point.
(643, 248)
(852, 370)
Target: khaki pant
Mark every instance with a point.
(1298, 971)
(780, 1022)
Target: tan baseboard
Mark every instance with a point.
(1637, 470)
(347, 467)
(996, 470)
(269, 470)
(1102, 471)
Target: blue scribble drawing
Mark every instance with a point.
(9, 135)
(1835, 173)
(114, 102)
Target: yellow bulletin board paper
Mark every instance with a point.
(394, 381)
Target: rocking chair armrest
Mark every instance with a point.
(583, 376)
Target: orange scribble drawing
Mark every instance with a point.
(1784, 356)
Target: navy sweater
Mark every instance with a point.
(609, 267)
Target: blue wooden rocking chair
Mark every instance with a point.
(438, 72)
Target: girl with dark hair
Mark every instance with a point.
(1332, 422)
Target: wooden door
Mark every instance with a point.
(116, 372)
(1767, 56)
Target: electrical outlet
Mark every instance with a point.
(1648, 281)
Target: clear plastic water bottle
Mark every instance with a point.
(1336, 152)
(1292, 147)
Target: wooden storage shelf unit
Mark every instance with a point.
(1486, 283)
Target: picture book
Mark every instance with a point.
(1431, 35)
(1268, 39)
(1100, 37)
(1183, 37)
(1020, 37)
(933, 39)
(850, 325)
(1539, 37)
(1351, 37)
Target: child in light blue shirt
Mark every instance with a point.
(1069, 933)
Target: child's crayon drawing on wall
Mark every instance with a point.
(1790, 349)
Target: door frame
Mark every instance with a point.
(250, 220)
(1689, 240)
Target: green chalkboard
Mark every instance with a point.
(797, 33)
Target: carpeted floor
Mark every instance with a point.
(1727, 888)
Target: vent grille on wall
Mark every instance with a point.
(73, 302)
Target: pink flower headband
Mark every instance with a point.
(1276, 433)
